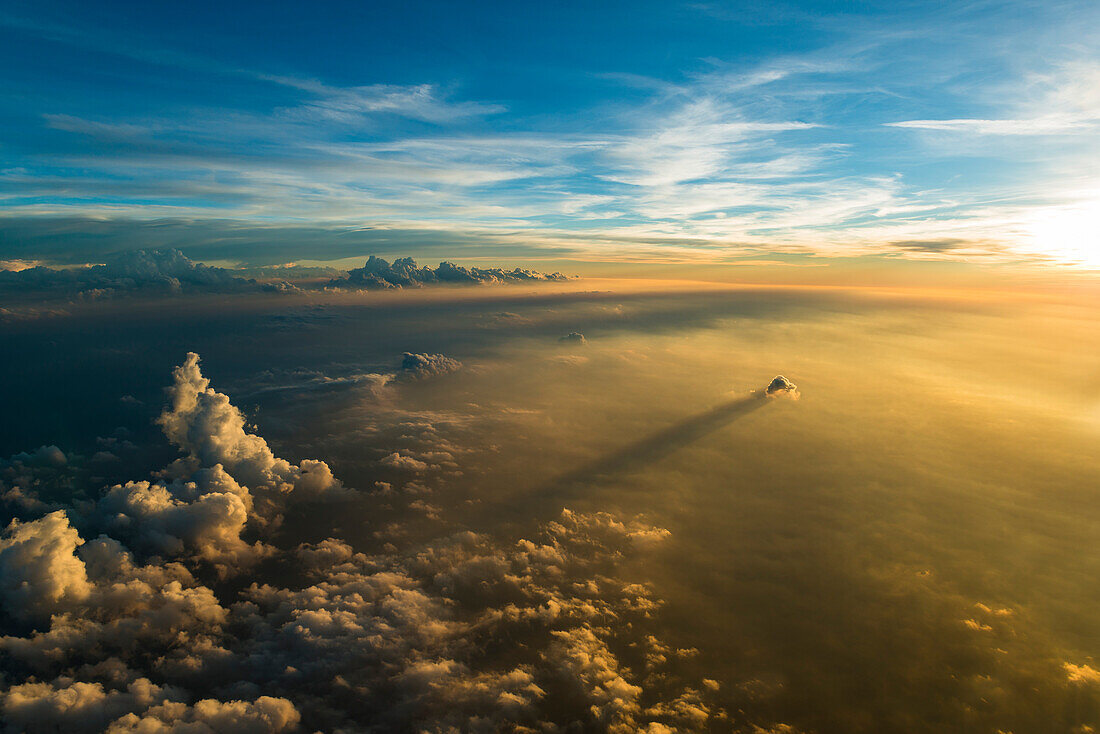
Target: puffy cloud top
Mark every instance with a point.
(79, 707)
(39, 573)
(266, 715)
(170, 271)
(337, 640)
(781, 386)
(146, 270)
(211, 430)
(417, 366)
(377, 273)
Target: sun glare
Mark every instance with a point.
(1068, 234)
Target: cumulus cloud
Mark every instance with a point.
(265, 715)
(781, 386)
(586, 660)
(418, 366)
(574, 337)
(151, 271)
(39, 573)
(407, 463)
(1083, 673)
(75, 706)
(128, 588)
(377, 273)
(203, 517)
(203, 423)
(43, 456)
(169, 271)
(17, 265)
(416, 625)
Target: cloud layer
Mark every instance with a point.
(166, 272)
(171, 604)
(377, 273)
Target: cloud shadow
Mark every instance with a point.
(645, 452)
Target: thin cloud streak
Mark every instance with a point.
(746, 157)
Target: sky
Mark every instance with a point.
(705, 133)
(633, 368)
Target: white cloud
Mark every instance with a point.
(1063, 101)
(78, 706)
(39, 573)
(1034, 126)
(203, 517)
(211, 430)
(350, 104)
(265, 715)
(396, 640)
(405, 463)
(1081, 673)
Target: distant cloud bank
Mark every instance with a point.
(149, 271)
(169, 271)
(377, 273)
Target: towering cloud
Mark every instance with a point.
(204, 424)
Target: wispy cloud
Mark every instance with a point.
(1035, 126)
(1065, 100)
(810, 152)
(352, 104)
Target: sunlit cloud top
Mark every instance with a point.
(694, 132)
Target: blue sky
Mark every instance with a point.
(647, 132)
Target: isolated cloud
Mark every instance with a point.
(781, 386)
(574, 337)
(417, 366)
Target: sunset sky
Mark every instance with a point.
(549, 368)
(614, 132)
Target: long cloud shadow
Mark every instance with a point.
(657, 446)
(649, 450)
